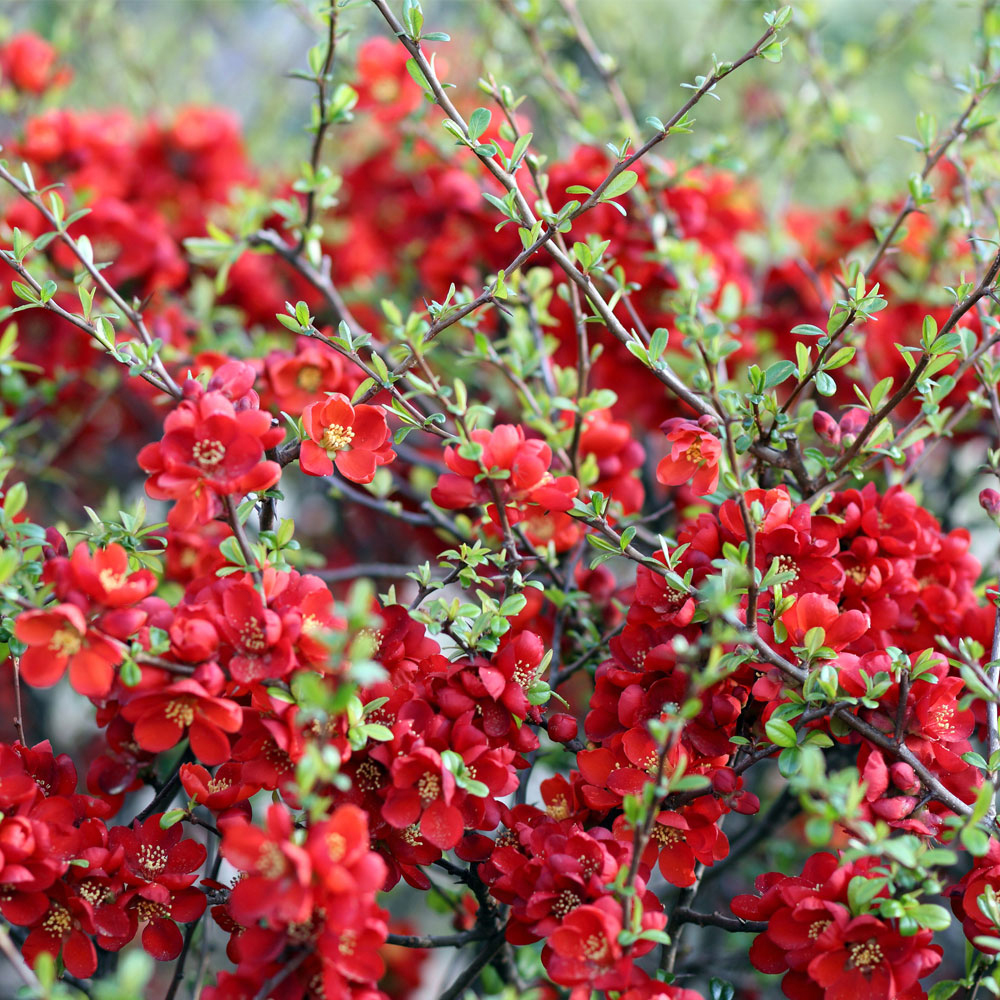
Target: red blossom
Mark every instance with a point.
(354, 438)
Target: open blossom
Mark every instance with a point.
(694, 456)
(528, 485)
(162, 717)
(209, 450)
(355, 439)
(826, 951)
(58, 637)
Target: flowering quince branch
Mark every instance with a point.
(720, 617)
(85, 257)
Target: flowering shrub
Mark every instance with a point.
(673, 587)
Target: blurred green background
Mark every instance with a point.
(854, 76)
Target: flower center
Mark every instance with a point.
(369, 776)
(208, 453)
(152, 860)
(57, 921)
(595, 947)
(270, 861)
(336, 437)
(693, 453)
(110, 580)
(786, 564)
(565, 902)
(524, 673)
(252, 636)
(866, 955)
(66, 642)
(558, 808)
(310, 378)
(146, 909)
(179, 711)
(217, 785)
(666, 835)
(429, 787)
(348, 942)
(817, 927)
(336, 844)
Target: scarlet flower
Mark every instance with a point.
(816, 611)
(65, 930)
(694, 457)
(529, 482)
(343, 860)
(219, 791)
(105, 576)
(58, 637)
(278, 871)
(28, 62)
(255, 633)
(209, 451)
(298, 380)
(154, 855)
(825, 951)
(161, 717)
(354, 438)
(424, 789)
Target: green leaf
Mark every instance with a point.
(479, 122)
(777, 373)
(780, 733)
(825, 385)
(620, 185)
(418, 75)
(944, 989)
(931, 916)
(171, 818)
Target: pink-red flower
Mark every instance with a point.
(355, 439)
(694, 457)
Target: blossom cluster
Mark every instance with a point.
(617, 620)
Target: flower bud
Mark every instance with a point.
(826, 427)
(562, 728)
(989, 500)
(853, 420)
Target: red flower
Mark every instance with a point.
(105, 577)
(161, 718)
(209, 450)
(64, 930)
(28, 62)
(219, 791)
(355, 439)
(816, 611)
(58, 637)
(694, 457)
(297, 380)
(529, 481)
(278, 871)
(154, 855)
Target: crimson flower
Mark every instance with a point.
(58, 637)
(278, 871)
(209, 450)
(354, 438)
(65, 930)
(161, 717)
(694, 457)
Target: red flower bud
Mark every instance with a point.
(904, 778)
(989, 500)
(826, 427)
(562, 728)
